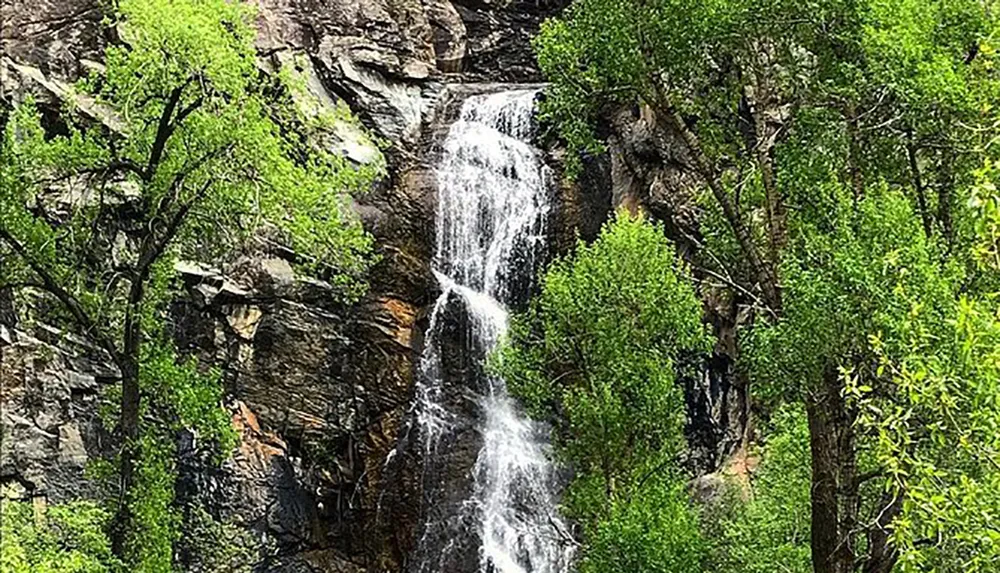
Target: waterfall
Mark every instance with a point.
(492, 209)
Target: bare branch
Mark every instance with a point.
(764, 271)
(154, 246)
(167, 125)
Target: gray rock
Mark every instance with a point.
(48, 413)
(72, 452)
(449, 35)
(333, 131)
(56, 36)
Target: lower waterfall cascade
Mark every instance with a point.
(493, 205)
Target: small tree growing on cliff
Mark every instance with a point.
(191, 161)
(596, 354)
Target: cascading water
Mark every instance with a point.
(492, 208)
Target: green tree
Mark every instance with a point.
(190, 161)
(597, 354)
(798, 116)
(933, 418)
(765, 528)
(936, 436)
(868, 272)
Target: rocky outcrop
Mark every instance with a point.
(389, 58)
(321, 389)
(650, 171)
(61, 37)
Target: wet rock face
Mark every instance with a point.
(439, 476)
(49, 397)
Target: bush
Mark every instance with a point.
(66, 538)
(596, 355)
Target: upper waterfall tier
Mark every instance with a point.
(492, 195)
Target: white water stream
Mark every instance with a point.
(492, 208)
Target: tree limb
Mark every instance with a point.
(69, 302)
(765, 273)
(911, 155)
(166, 127)
(152, 249)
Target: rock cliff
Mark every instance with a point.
(320, 392)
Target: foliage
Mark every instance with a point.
(226, 158)
(705, 57)
(985, 201)
(66, 538)
(179, 148)
(936, 432)
(151, 503)
(597, 354)
(769, 531)
(938, 439)
(864, 275)
(599, 348)
(655, 529)
(875, 278)
(216, 546)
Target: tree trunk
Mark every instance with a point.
(128, 420)
(825, 520)
(881, 554)
(765, 272)
(834, 496)
(129, 426)
(945, 196)
(848, 486)
(776, 212)
(854, 152)
(918, 184)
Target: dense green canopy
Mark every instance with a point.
(840, 147)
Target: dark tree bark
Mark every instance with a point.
(854, 168)
(882, 555)
(129, 427)
(825, 518)
(945, 190)
(918, 184)
(835, 485)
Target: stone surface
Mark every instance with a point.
(331, 129)
(49, 395)
(499, 32)
(57, 36)
(651, 172)
(321, 391)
